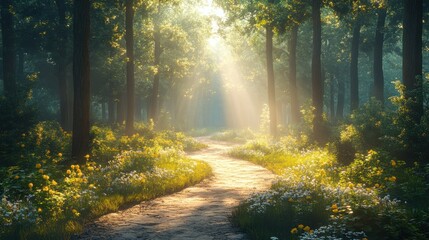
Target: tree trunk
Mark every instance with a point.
(81, 80)
(340, 98)
(294, 105)
(129, 126)
(111, 110)
(354, 78)
(317, 81)
(121, 108)
(412, 56)
(9, 51)
(332, 97)
(61, 74)
(271, 81)
(20, 68)
(378, 56)
(153, 109)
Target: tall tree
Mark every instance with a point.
(129, 37)
(9, 52)
(294, 105)
(81, 80)
(271, 81)
(153, 108)
(412, 56)
(354, 73)
(62, 62)
(378, 55)
(317, 81)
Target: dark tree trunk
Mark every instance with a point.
(9, 51)
(332, 97)
(412, 56)
(121, 108)
(111, 110)
(317, 81)
(378, 57)
(340, 98)
(294, 105)
(129, 126)
(81, 80)
(354, 78)
(103, 112)
(271, 81)
(62, 75)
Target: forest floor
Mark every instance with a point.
(198, 212)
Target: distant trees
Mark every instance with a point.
(81, 80)
(378, 53)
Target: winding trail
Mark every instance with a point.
(198, 212)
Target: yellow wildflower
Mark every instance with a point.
(87, 156)
(60, 154)
(40, 170)
(351, 185)
(300, 226)
(30, 185)
(307, 228)
(76, 166)
(46, 177)
(377, 185)
(39, 210)
(79, 174)
(311, 231)
(90, 168)
(45, 188)
(91, 186)
(16, 177)
(392, 179)
(393, 163)
(54, 183)
(68, 172)
(38, 165)
(294, 230)
(75, 212)
(334, 206)
(335, 210)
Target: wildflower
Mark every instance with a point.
(16, 177)
(393, 163)
(68, 172)
(87, 156)
(294, 230)
(76, 166)
(23, 145)
(91, 186)
(46, 177)
(90, 168)
(72, 166)
(79, 174)
(39, 210)
(75, 212)
(307, 228)
(335, 210)
(290, 200)
(60, 154)
(45, 188)
(38, 165)
(54, 183)
(308, 197)
(334, 206)
(311, 231)
(301, 226)
(377, 185)
(41, 171)
(351, 185)
(30, 185)
(392, 179)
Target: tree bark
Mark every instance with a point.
(378, 57)
(9, 50)
(317, 81)
(111, 110)
(332, 97)
(354, 74)
(81, 80)
(294, 104)
(129, 125)
(153, 111)
(340, 99)
(412, 56)
(271, 81)
(61, 60)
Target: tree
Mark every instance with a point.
(378, 55)
(317, 81)
(354, 74)
(270, 79)
(8, 38)
(62, 64)
(412, 57)
(81, 80)
(294, 105)
(129, 20)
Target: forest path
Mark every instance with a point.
(198, 212)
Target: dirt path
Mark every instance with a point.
(199, 212)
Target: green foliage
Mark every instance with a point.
(42, 197)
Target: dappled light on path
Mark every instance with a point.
(198, 212)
